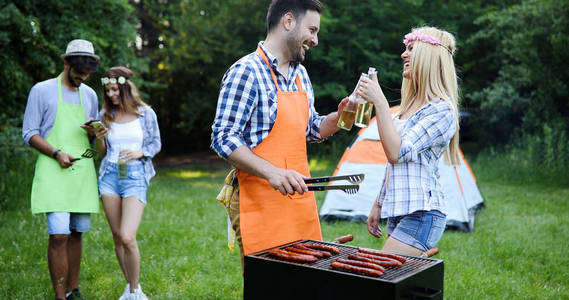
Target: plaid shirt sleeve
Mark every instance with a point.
(152, 143)
(236, 98)
(436, 126)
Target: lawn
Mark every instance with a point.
(519, 248)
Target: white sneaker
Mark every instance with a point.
(124, 295)
(137, 295)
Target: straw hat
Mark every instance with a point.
(80, 47)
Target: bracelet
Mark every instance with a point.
(55, 153)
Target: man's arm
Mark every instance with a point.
(329, 125)
(282, 180)
(44, 147)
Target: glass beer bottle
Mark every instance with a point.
(363, 113)
(348, 116)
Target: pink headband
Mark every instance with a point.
(413, 36)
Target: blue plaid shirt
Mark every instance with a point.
(414, 180)
(247, 103)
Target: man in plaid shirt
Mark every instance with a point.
(265, 114)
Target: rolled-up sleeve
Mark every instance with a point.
(237, 97)
(32, 116)
(436, 127)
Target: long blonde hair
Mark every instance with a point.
(433, 75)
(130, 99)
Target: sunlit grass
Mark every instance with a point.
(518, 249)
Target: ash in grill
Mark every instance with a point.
(269, 277)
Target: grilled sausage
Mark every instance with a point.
(370, 258)
(366, 271)
(359, 263)
(344, 239)
(316, 254)
(334, 250)
(292, 256)
(322, 252)
(373, 252)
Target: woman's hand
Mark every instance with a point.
(370, 90)
(101, 132)
(127, 155)
(373, 220)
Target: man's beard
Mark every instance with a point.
(70, 79)
(295, 47)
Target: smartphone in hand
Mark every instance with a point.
(94, 123)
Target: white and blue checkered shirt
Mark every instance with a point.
(414, 180)
(247, 103)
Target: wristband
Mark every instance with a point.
(55, 153)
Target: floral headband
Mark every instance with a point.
(107, 80)
(413, 36)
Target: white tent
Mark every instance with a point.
(366, 156)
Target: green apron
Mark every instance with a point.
(72, 189)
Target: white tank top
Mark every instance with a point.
(398, 123)
(124, 136)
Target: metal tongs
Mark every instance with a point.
(353, 188)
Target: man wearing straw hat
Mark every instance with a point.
(65, 183)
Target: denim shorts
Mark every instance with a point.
(64, 222)
(134, 184)
(421, 229)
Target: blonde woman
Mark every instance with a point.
(425, 128)
(128, 140)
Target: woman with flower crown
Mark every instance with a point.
(414, 139)
(128, 140)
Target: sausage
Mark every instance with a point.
(373, 252)
(381, 258)
(316, 254)
(334, 250)
(366, 271)
(292, 256)
(344, 239)
(359, 263)
(383, 263)
(322, 252)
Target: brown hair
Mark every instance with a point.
(278, 8)
(130, 100)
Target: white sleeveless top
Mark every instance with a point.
(124, 136)
(398, 123)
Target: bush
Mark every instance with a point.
(16, 167)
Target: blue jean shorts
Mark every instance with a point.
(64, 222)
(421, 229)
(134, 184)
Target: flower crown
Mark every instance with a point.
(413, 36)
(107, 80)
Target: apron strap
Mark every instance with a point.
(266, 60)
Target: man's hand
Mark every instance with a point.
(287, 181)
(64, 159)
(373, 220)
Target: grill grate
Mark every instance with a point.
(412, 266)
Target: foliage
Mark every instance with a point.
(522, 78)
(33, 35)
(16, 168)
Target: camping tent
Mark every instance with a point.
(365, 155)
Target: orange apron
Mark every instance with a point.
(267, 218)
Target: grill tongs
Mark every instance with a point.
(353, 188)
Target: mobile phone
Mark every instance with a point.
(94, 123)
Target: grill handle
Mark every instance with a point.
(424, 293)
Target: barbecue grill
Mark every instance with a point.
(268, 277)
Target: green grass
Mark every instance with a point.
(519, 248)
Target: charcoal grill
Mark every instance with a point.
(268, 277)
